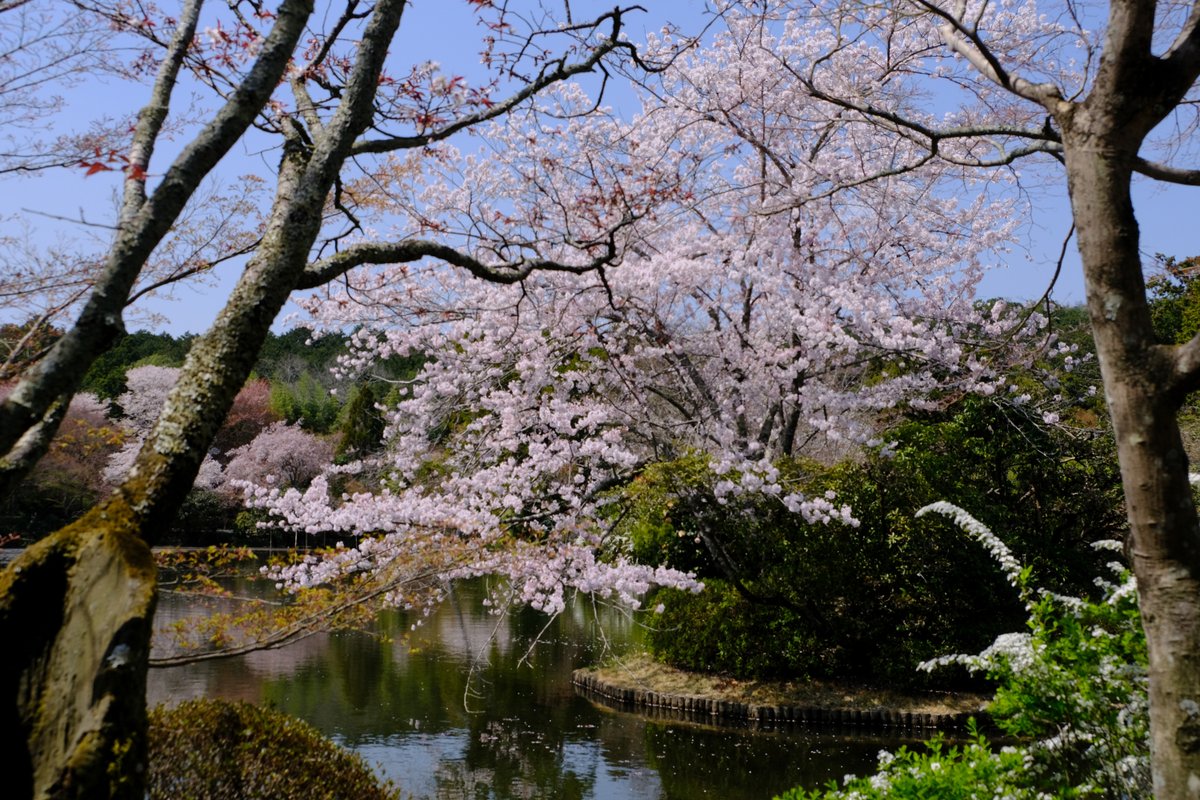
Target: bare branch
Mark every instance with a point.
(154, 114)
(1167, 173)
(554, 72)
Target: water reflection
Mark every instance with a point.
(458, 710)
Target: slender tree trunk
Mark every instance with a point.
(1142, 390)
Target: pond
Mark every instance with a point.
(469, 706)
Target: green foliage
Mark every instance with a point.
(245, 524)
(284, 357)
(361, 426)
(720, 631)
(653, 517)
(970, 772)
(870, 602)
(106, 377)
(307, 402)
(157, 360)
(211, 750)
(1175, 300)
(1078, 688)
(1073, 689)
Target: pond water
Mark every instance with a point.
(466, 708)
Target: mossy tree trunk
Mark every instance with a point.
(75, 614)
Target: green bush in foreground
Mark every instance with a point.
(1073, 690)
(216, 750)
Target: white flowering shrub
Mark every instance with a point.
(1072, 690)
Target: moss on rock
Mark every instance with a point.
(217, 750)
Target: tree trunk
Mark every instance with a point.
(1142, 390)
(75, 613)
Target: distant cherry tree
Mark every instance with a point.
(280, 455)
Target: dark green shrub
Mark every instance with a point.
(307, 402)
(720, 631)
(872, 601)
(203, 518)
(216, 750)
(362, 425)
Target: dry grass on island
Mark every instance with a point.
(640, 671)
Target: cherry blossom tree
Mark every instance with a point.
(1101, 95)
(76, 711)
(755, 315)
(281, 454)
(148, 387)
(250, 414)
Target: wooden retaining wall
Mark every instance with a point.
(705, 709)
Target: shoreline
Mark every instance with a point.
(641, 685)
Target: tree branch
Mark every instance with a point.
(411, 250)
(154, 114)
(1167, 173)
(967, 42)
(554, 72)
(30, 448)
(1186, 359)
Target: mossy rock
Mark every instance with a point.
(217, 750)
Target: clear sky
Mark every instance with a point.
(434, 29)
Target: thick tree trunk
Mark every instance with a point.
(75, 613)
(1142, 390)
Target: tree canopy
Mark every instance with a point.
(777, 253)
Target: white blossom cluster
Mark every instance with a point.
(1106, 752)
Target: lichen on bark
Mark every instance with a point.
(75, 612)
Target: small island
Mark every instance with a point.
(639, 683)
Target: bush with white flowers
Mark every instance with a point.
(1072, 690)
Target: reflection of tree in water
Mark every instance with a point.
(696, 761)
(366, 687)
(505, 759)
(522, 732)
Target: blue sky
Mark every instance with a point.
(434, 29)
